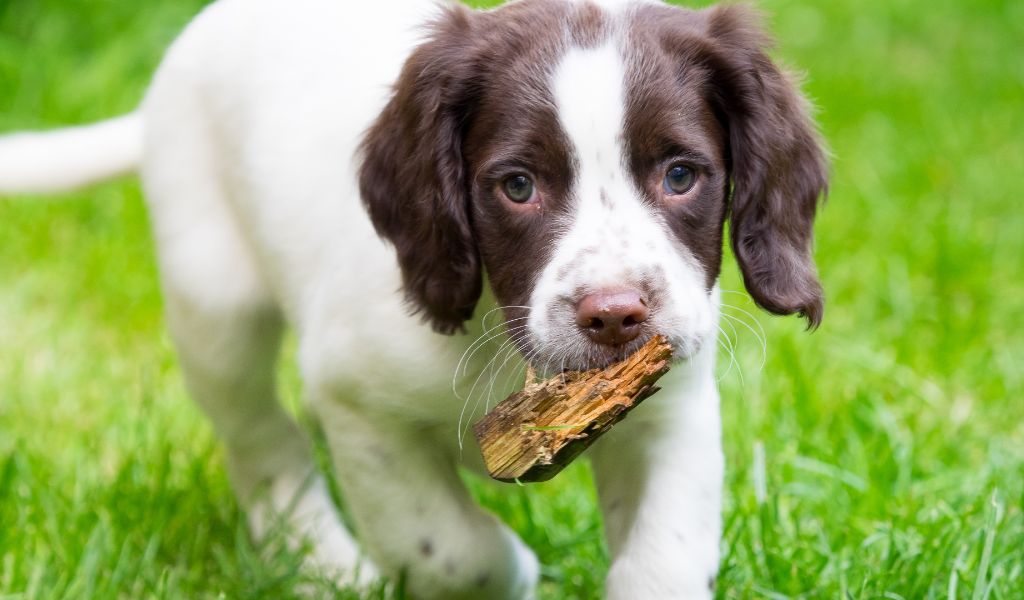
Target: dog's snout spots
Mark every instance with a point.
(653, 279)
(612, 317)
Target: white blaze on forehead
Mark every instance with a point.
(590, 97)
(612, 237)
(607, 212)
(611, 5)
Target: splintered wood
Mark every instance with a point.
(535, 433)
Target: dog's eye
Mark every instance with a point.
(679, 179)
(518, 188)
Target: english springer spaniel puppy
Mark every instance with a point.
(362, 171)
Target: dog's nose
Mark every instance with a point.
(612, 317)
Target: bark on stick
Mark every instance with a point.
(535, 433)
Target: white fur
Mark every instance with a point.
(70, 158)
(248, 133)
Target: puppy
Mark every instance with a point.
(353, 170)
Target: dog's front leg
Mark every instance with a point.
(414, 515)
(659, 477)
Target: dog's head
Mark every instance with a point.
(587, 159)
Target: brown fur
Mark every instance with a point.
(472, 105)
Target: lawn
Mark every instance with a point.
(879, 457)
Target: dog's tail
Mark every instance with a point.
(65, 159)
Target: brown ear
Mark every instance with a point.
(778, 167)
(413, 179)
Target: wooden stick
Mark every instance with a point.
(535, 433)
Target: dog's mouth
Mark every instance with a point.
(547, 360)
(599, 356)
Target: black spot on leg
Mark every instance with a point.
(605, 200)
(426, 547)
(483, 579)
(711, 583)
(386, 458)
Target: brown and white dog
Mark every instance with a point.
(584, 154)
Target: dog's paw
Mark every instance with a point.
(300, 509)
(648, 579)
(529, 569)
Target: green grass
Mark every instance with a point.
(880, 457)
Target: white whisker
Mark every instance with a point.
(730, 348)
(509, 353)
(469, 396)
(479, 340)
(760, 337)
(508, 348)
(477, 344)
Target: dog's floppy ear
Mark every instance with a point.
(777, 163)
(413, 178)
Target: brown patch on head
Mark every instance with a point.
(779, 169)
(413, 180)
(515, 129)
(472, 107)
(703, 91)
(668, 121)
(589, 25)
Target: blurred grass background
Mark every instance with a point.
(882, 456)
